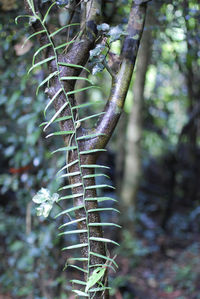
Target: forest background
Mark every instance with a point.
(154, 158)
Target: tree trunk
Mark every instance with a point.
(132, 170)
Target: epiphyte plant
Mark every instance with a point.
(67, 63)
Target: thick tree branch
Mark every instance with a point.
(120, 83)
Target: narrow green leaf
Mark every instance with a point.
(46, 80)
(40, 63)
(104, 224)
(39, 50)
(22, 16)
(103, 209)
(77, 231)
(79, 90)
(68, 165)
(60, 133)
(102, 265)
(85, 105)
(90, 136)
(70, 174)
(103, 240)
(75, 78)
(78, 281)
(94, 166)
(72, 222)
(63, 118)
(51, 101)
(89, 117)
(69, 210)
(75, 246)
(43, 124)
(56, 114)
(71, 196)
(100, 199)
(92, 151)
(73, 65)
(70, 186)
(80, 293)
(63, 149)
(105, 258)
(99, 186)
(77, 259)
(32, 35)
(88, 176)
(58, 30)
(64, 45)
(95, 277)
(47, 13)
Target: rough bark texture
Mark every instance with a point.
(78, 54)
(132, 169)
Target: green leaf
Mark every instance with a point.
(90, 136)
(92, 151)
(100, 199)
(66, 26)
(38, 51)
(104, 224)
(99, 186)
(80, 293)
(75, 246)
(85, 105)
(94, 166)
(40, 63)
(88, 176)
(71, 196)
(96, 276)
(63, 149)
(78, 281)
(78, 259)
(32, 35)
(68, 165)
(64, 45)
(105, 258)
(75, 78)
(60, 133)
(51, 101)
(70, 174)
(70, 186)
(47, 13)
(56, 114)
(77, 231)
(79, 90)
(46, 80)
(105, 240)
(69, 210)
(91, 116)
(73, 65)
(103, 209)
(72, 222)
(22, 16)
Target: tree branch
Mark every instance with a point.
(120, 83)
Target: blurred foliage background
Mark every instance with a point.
(154, 157)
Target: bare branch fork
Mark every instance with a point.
(78, 54)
